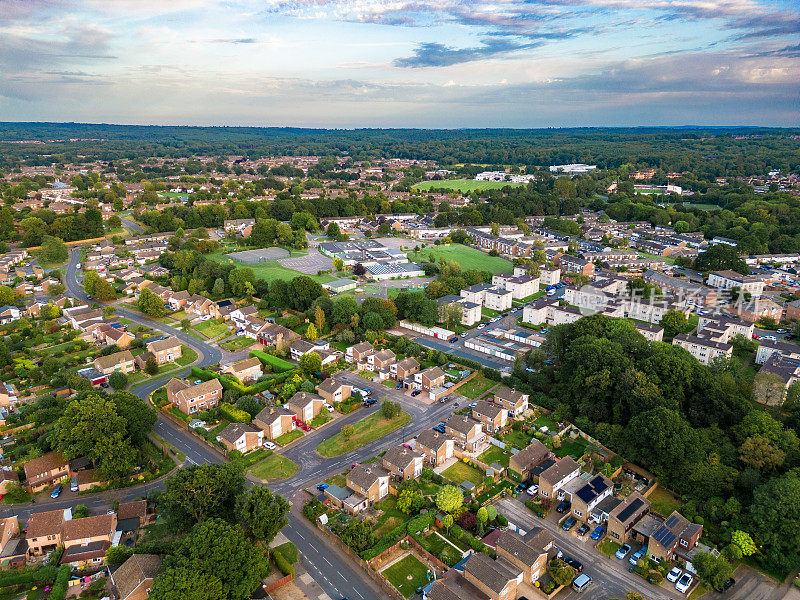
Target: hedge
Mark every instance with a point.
(59, 589)
(233, 414)
(289, 551)
(386, 542)
(281, 562)
(38, 575)
(278, 364)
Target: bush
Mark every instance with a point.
(278, 364)
(289, 552)
(59, 589)
(280, 561)
(38, 575)
(233, 414)
(502, 521)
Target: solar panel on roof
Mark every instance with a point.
(664, 536)
(673, 519)
(586, 493)
(626, 512)
(600, 487)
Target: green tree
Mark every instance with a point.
(372, 321)
(338, 264)
(347, 431)
(150, 304)
(334, 232)
(759, 453)
(744, 542)
(358, 534)
(199, 492)
(721, 257)
(449, 498)
(151, 366)
(448, 522)
(319, 318)
(344, 308)
(312, 333)
(775, 517)
(311, 363)
(214, 562)
(139, 415)
(561, 572)
(712, 570)
(482, 515)
(261, 513)
(673, 322)
(390, 409)
(185, 324)
(118, 380)
(80, 511)
(98, 288)
(53, 251)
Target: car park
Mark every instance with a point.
(598, 532)
(564, 506)
(581, 582)
(533, 490)
(623, 551)
(583, 530)
(674, 574)
(684, 583)
(636, 556)
(569, 523)
(574, 563)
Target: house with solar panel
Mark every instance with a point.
(586, 494)
(623, 518)
(676, 535)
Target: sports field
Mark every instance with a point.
(468, 258)
(269, 270)
(463, 185)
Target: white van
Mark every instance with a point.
(581, 582)
(73, 486)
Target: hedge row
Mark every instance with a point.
(278, 364)
(280, 561)
(233, 414)
(59, 589)
(38, 575)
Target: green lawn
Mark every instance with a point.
(476, 386)
(546, 422)
(460, 472)
(466, 257)
(320, 419)
(238, 343)
(398, 575)
(463, 185)
(493, 454)
(336, 480)
(188, 356)
(575, 449)
(608, 547)
(667, 259)
(268, 270)
(662, 502)
(211, 328)
(274, 467)
(366, 430)
(289, 437)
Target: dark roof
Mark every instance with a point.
(128, 525)
(595, 487)
(85, 551)
(630, 509)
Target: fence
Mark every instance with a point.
(271, 587)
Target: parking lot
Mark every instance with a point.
(611, 578)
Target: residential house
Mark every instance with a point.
(13, 548)
(495, 578)
(429, 379)
(370, 484)
(131, 516)
(45, 531)
(626, 515)
(586, 495)
(467, 432)
(241, 437)
(727, 280)
(703, 349)
(553, 479)
(767, 348)
(87, 540)
(45, 471)
(524, 461)
(299, 348)
(759, 308)
(576, 264)
(134, 578)
(493, 416)
(166, 350)
(249, 369)
(527, 553)
(516, 403)
(119, 361)
(274, 421)
(520, 286)
(332, 390)
(475, 293)
(548, 276)
(436, 447)
(381, 360)
(497, 298)
(358, 353)
(404, 369)
(675, 535)
(305, 405)
(470, 311)
(277, 336)
(194, 398)
(403, 462)
(8, 476)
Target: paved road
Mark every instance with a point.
(610, 575)
(131, 225)
(459, 350)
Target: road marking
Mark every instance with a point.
(327, 561)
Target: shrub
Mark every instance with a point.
(280, 561)
(38, 575)
(278, 364)
(233, 414)
(59, 589)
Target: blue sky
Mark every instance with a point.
(397, 63)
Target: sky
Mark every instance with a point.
(398, 63)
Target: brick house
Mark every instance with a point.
(435, 447)
(332, 390)
(429, 379)
(166, 350)
(191, 399)
(554, 478)
(586, 495)
(241, 437)
(246, 370)
(305, 405)
(13, 548)
(676, 535)
(274, 421)
(402, 462)
(404, 369)
(45, 532)
(45, 471)
(358, 353)
(527, 553)
(626, 515)
(368, 481)
(493, 416)
(530, 457)
(276, 335)
(467, 432)
(513, 401)
(86, 540)
(497, 579)
(134, 578)
(119, 361)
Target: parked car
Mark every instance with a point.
(623, 551)
(439, 428)
(583, 530)
(473, 404)
(564, 506)
(269, 445)
(520, 487)
(575, 564)
(781, 330)
(569, 523)
(416, 392)
(581, 582)
(482, 325)
(454, 340)
(322, 487)
(56, 491)
(329, 408)
(598, 532)
(637, 555)
(354, 465)
(674, 574)
(728, 584)
(533, 490)
(399, 386)
(684, 583)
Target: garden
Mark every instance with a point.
(363, 432)
(460, 472)
(407, 574)
(476, 386)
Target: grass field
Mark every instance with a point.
(476, 386)
(463, 185)
(466, 257)
(238, 343)
(211, 328)
(460, 472)
(662, 502)
(188, 356)
(493, 454)
(407, 575)
(365, 431)
(269, 270)
(289, 437)
(274, 467)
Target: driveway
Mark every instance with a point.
(610, 575)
